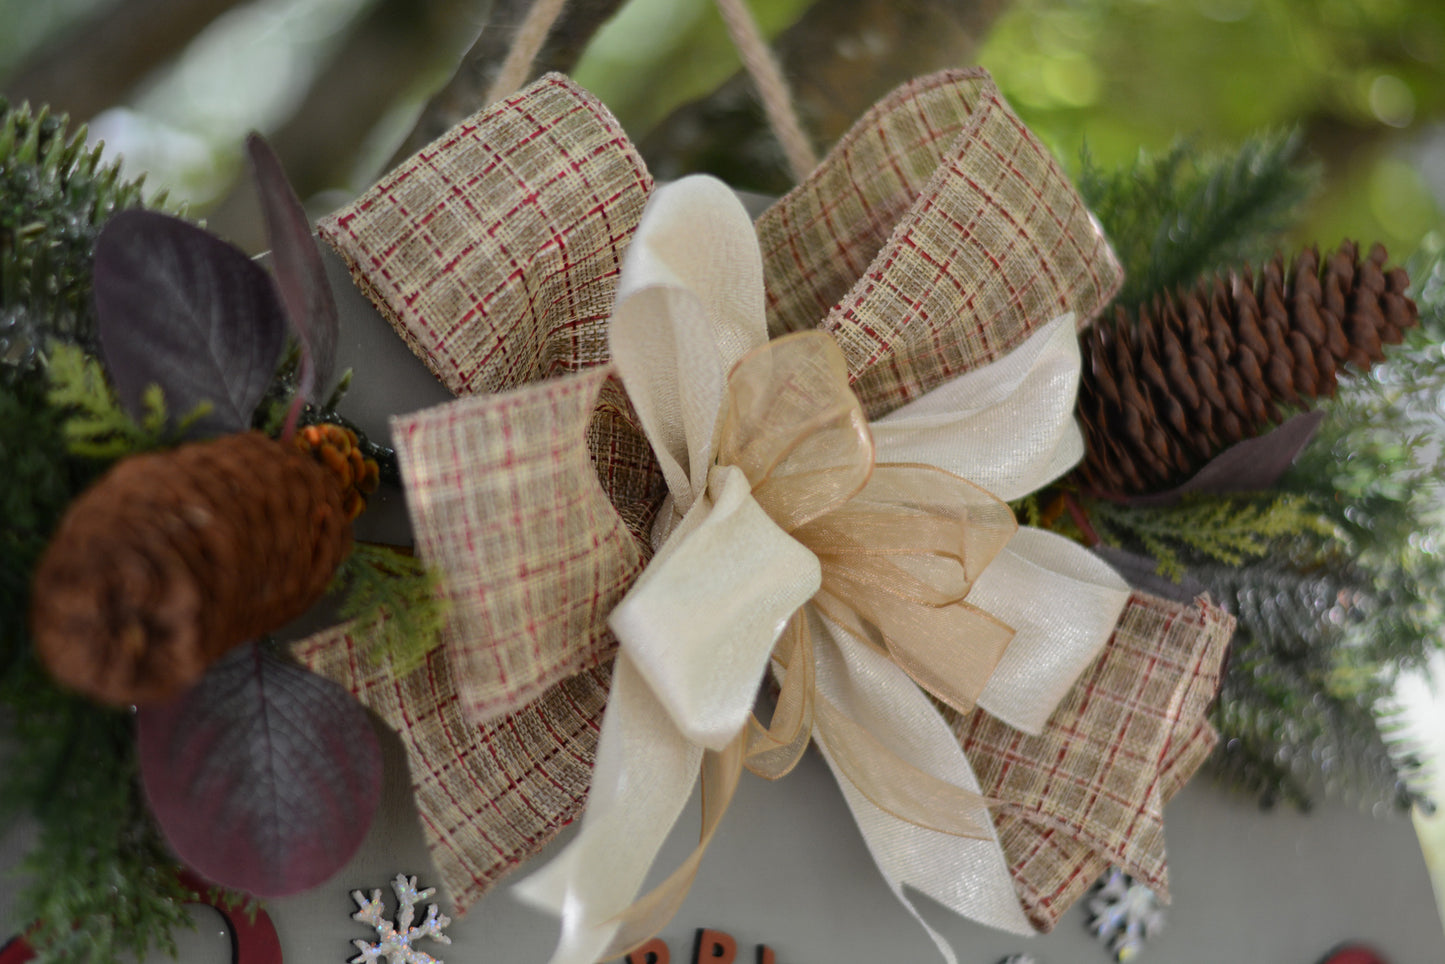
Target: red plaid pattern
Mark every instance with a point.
(935, 237)
(495, 251)
(489, 796)
(505, 504)
(938, 234)
(1090, 790)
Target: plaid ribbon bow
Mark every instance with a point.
(937, 236)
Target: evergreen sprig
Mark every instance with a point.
(96, 426)
(1229, 529)
(1346, 588)
(54, 196)
(99, 883)
(393, 595)
(1177, 217)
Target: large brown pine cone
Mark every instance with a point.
(172, 558)
(1199, 371)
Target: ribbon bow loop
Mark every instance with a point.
(698, 626)
(897, 563)
(796, 430)
(952, 284)
(794, 511)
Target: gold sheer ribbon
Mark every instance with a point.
(780, 536)
(936, 242)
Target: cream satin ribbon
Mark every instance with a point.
(775, 501)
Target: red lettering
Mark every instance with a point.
(766, 956)
(714, 947)
(653, 952)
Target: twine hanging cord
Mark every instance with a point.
(757, 58)
(526, 45)
(772, 87)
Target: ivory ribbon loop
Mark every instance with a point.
(970, 426)
(1063, 602)
(701, 623)
(679, 324)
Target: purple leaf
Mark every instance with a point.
(300, 274)
(180, 308)
(264, 777)
(1253, 465)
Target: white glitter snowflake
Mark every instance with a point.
(1124, 914)
(395, 944)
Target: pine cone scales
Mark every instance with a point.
(1201, 370)
(172, 558)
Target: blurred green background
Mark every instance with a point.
(338, 84)
(1362, 78)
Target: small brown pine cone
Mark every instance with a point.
(172, 558)
(339, 450)
(1193, 373)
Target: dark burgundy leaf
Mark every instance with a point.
(1253, 465)
(264, 777)
(300, 274)
(180, 308)
(1142, 573)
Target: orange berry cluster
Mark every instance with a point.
(339, 450)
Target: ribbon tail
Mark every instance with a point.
(644, 776)
(774, 750)
(1063, 603)
(721, 773)
(968, 875)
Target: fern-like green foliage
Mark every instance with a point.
(395, 595)
(54, 196)
(1228, 530)
(1177, 217)
(96, 426)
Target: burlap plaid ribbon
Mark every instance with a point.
(936, 236)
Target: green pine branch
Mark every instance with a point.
(393, 594)
(54, 196)
(1178, 217)
(96, 426)
(99, 880)
(1345, 588)
(1226, 529)
(1288, 736)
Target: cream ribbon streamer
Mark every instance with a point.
(699, 626)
